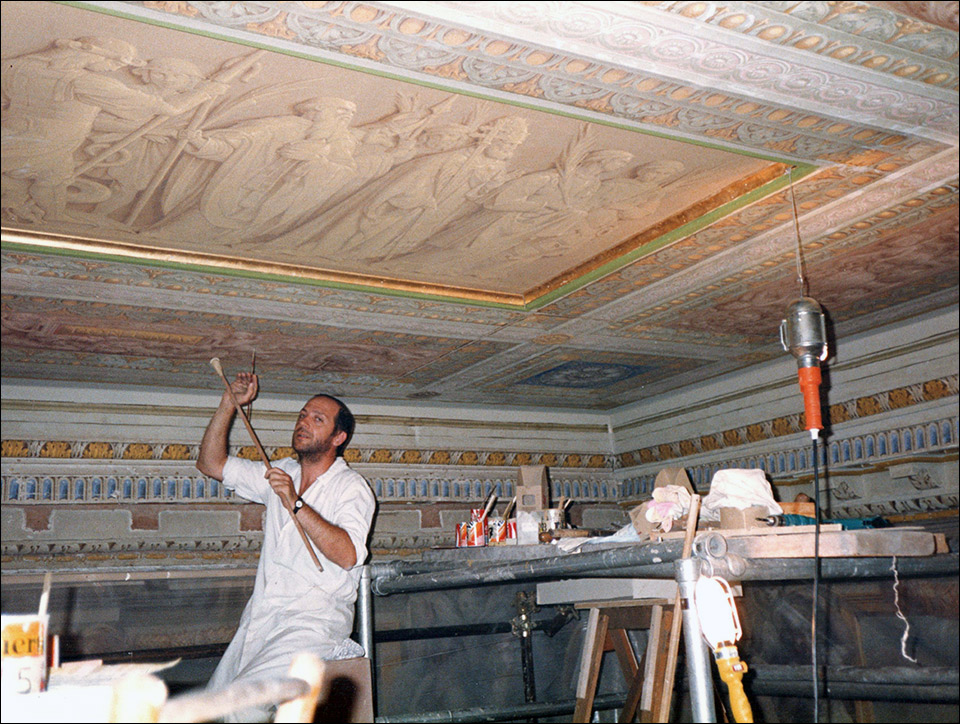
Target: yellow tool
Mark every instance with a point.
(720, 625)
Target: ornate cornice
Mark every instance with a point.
(866, 38)
(548, 58)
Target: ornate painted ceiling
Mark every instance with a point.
(543, 204)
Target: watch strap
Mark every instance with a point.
(297, 504)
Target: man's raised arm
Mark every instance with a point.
(213, 446)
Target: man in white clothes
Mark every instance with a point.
(295, 607)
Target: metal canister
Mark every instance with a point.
(24, 669)
(477, 533)
(497, 528)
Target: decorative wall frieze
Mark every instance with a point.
(53, 481)
(98, 450)
(906, 507)
(945, 432)
(142, 550)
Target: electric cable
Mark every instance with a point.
(810, 384)
(816, 584)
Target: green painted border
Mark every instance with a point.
(680, 232)
(800, 171)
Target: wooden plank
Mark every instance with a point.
(673, 643)
(586, 653)
(842, 544)
(587, 684)
(764, 530)
(779, 530)
(624, 603)
(658, 675)
(626, 657)
(636, 617)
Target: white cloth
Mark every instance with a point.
(295, 607)
(738, 488)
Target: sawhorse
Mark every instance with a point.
(607, 626)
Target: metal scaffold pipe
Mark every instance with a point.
(648, 561)
(578, 564)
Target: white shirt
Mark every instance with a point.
(295, 607)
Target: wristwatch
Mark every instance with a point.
(297, 504)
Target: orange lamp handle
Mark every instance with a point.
(810, 379)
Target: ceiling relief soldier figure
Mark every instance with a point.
(633, 197)
(130, 166)
(381, 145)
(547, 213)
(51, 100)
(394, 215)
(268, 179)
(269, 171)
(541, 205)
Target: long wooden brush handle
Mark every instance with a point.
(215, 363)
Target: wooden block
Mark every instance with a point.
(601, 589)
(348, 695)
(941, 544)
(734, 518)
(807, 509)
(841, 544)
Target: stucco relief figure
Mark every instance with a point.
(51, 100)
(393, 216)
(269, 172)
(632, 197)
(130, 169)
(538, 214)
(381, 145)
(390, 141)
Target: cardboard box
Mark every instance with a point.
(667, 476)
(735, 518)
(533, 489)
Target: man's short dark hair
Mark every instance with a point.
(345, 421)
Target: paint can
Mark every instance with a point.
(553, 519)
(502, 532)
(477, 533)
(24, 667)
(497, 528)
(462, 534)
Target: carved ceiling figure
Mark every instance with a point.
(382, 145)
(51, 100)
(270, 171)
(538, 213)
(129, 170)
(394, 215)
(632, 197)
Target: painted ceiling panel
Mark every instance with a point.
(560, 204)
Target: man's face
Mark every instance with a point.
(314, 434)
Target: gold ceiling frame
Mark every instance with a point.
(17, 239)
(681, 225)
(684, 223)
